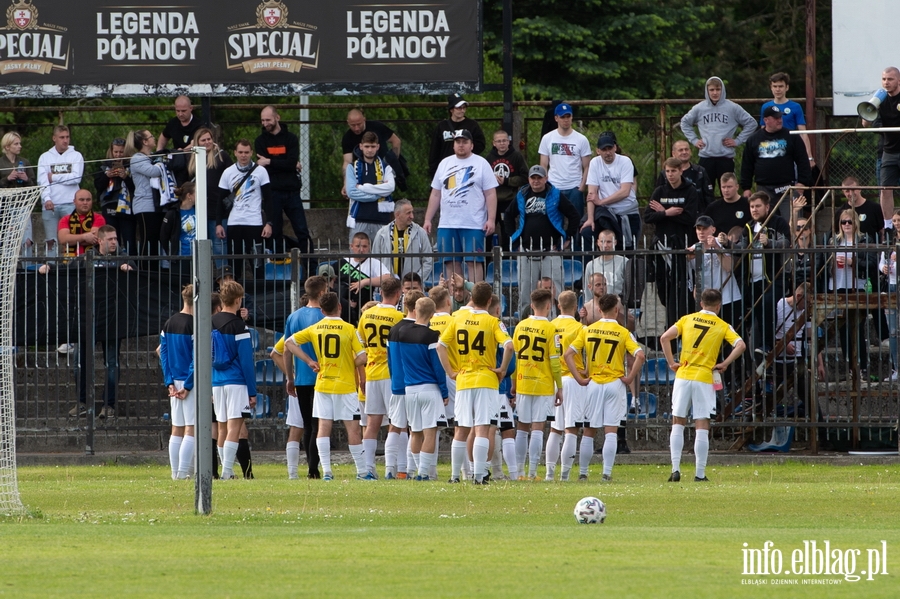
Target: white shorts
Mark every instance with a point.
(687, 394)
(533, 408)
(363, 421)
(336, 406)
(230, 402)
(575, 413)
(450, 408)
(607, 404)
(506, 417)
(184, 411)
(397, 411)
(422, 406)
(477, 407)
(378, 396)
(293, 417)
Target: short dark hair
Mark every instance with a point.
(608, 301)
(243, 142)
(760, 195)
(673, 162)
(412, 277)
(481, 294)
(783, 77)
(540, 298)
(390, 287)
(711, 297)
(369, 137)
(410, 299)
(315, 286)
(329, 302)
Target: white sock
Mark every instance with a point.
(554, 440)
(521, 450)
(293, 459)
(569, 446)
(480, 449)
(585, 453)
(359, 458)
(404, 455)
(534, 452)
(457, 457)
(391, 450)
(509, 456)
(609, 452)
(497, 456)
(174, 448)
(469, 466)
(323, 444)
(186, 457)
(432, 463)
(701, 451)
(676, 444)
(221, 453)
(427, 461)
(416, 460)
(371, 446)
(228, 453)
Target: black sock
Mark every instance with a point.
(621, 432)
(215, 457)
(243, 456)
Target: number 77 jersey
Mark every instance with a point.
(605, 343)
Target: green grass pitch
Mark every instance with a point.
(130, 531)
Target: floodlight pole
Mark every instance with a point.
(202, 278)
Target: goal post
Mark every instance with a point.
(16, 205)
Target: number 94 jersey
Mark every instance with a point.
(475, 338)
(605, 343)
(701, 339)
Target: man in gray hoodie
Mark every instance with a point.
(718, 119)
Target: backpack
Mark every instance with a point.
(221, 351)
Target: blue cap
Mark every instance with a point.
(563, 109)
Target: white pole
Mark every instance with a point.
(858, 130)
(304, 152)
(201, 210)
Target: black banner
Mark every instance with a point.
(50, 309)
(96, 47)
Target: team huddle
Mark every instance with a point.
(425, 368)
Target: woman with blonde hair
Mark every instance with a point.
(217, 161)
(15, 171)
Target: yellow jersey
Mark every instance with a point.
(568, 329)
(474, 337)
(438, 323)
(605, 343)
(374, 326)
(336, 344)
(537, 345)
(701, 339)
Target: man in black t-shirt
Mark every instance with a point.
(547, 221)
(733, 210)
(871, 223)
(388, 143)
(889, 113)
(180, 130)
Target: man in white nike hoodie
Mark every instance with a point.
(59, 172)
(718, 119)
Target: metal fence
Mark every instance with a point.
(850, 403)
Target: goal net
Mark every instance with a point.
(16, 205)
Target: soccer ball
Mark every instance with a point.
(590, 510)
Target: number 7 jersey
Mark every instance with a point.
(605, 343)
(475, 336)
(701, 339)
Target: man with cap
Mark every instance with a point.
(442, 140)
(715, 270)
(464, 188)
(566, 154)
(547, 222)
(610, 183)
(775, 159)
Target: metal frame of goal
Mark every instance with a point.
(16, 205)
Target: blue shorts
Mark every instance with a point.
(461, 240)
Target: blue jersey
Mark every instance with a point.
(296, 322)
(510, 370)
(176, 350)
(791, 114)
(241, 371)
(415, 347)
(396, 359)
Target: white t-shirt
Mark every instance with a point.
(716, 277)
(248, 199)
(565, 154)
(613, 270)
(462, 183)
(785, 315)
(609, 179)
